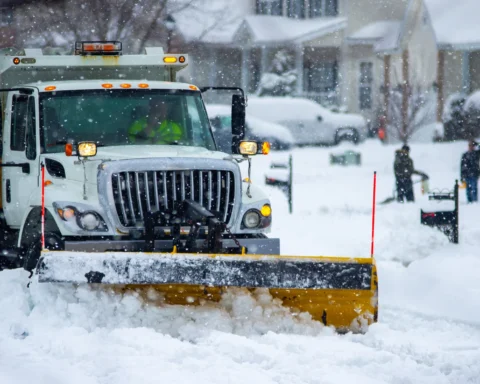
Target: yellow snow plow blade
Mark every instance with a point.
(339, 292)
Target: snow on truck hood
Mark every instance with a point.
(105, 154)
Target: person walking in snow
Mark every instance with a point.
(404, 169)
(470, 170)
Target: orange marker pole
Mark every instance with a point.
(43, 206)
(373, 210)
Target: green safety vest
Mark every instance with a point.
(167, 132)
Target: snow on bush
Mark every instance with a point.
(281, 78)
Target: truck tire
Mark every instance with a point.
(32, 239)
(33, 249)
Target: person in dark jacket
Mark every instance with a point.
(470, 170)
(404, 169)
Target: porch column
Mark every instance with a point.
(466, 72)
(440, 83)
(405, 94)
(299, 68)
(263, 60)
(245, 69)
(212, 74)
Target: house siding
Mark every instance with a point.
(474, 71)
(453, 80)
(363, 12)
(422, 49)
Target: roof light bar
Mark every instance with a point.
(98, 48)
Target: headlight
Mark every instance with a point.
(82, 217)
(88, 221)
(248, 147)
(87, 149)
(251, 219)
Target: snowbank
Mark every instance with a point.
(429, 320)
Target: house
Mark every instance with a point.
(348, 53)
(458, 42)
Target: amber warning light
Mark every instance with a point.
(98, 48)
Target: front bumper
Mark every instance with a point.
(256, 246)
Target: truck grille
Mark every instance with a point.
(135, 192)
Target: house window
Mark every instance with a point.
(322, 78)
(296, 9)
(269, 7)
(366, 82)
(319, 8)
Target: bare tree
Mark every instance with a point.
(134, 22)
(420, 111)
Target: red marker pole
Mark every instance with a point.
(43, 206)
(373, 210)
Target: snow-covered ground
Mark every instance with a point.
(429, 321)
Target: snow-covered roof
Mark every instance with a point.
(277, 29)
(383, 35)
(455, 23)
(213, 21)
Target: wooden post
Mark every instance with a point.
(440, 83)
(246, 69)
(405, 94)
(386, 84)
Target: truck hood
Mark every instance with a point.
(106, 154)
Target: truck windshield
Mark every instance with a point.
(124, 117)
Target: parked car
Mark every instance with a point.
(308, 121)
(220, 117)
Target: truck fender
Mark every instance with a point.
(32, 222)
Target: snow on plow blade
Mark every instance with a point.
(337, 291)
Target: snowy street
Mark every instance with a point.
(428, 329)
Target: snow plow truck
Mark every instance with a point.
(111, 177)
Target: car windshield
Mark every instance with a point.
(124, 117)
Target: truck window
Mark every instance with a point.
(124, 117)
(19, 122)
(31, 137)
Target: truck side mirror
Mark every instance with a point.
(238, 122)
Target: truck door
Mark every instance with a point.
(20, 153)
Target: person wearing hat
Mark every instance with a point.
(404, 169)
(470, 171)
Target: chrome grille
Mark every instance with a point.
(137, 192)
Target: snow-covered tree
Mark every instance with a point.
(471, 111)
(281, 78)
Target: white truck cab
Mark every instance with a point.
(121, 142)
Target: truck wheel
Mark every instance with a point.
(32, 251)
(31, 255)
